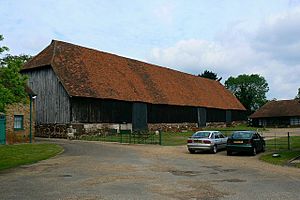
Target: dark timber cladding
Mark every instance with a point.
(91, 110)
(171, 114)
(75, 84)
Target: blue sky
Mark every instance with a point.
(229, 37)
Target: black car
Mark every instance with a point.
(245, 141)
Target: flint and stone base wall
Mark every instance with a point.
(78, 129)
(173, 127)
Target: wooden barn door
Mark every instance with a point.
(2, 129)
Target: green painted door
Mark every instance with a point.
(2, 129)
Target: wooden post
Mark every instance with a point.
(289, 144)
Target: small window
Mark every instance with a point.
(295, 121)
(18, 122)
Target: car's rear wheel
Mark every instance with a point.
(254, 151)
(229, 153)
(192, 151)
(214, 149)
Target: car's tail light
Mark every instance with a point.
(206, 141)
(189, 141)
(248, 141)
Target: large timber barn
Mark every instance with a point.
(78, 85)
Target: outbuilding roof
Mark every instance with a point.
(283, 108)
(86, 72)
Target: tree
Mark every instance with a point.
(210, 75)
(12, 83)
(249, 89)
(298, 95)
(2, 48)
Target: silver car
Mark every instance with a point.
(206, 140)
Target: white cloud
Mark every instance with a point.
(271, 50)
(279, 37)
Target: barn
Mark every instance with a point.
(81, 86)
(282, 113)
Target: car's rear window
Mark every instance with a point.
(201, 134)
(242, 135)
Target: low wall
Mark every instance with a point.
(77, 129)
(173, 127)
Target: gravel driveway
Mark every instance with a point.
(95, 170)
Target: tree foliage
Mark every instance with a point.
(12, 83)
(2, 48)
(298, 95)
(249, 89)
(210, 75)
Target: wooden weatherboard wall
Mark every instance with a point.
(52, 102)
(91, 110)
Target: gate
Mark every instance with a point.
(2, 129)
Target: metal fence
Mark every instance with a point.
(282, 140)
(275, 140)
(126, 136)
(278, 139)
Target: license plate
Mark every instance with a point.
(238, 142)
(197, 141)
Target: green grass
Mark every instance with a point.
(282, 143)
(123, 138)
(281, 147)
(285, 156)
(173, 139)
(240, 127)
(20, 154)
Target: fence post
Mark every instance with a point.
(289, 144)
(160, 142)
(275, 142)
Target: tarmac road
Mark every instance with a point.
(95, 170)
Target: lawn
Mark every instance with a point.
(20, 154)
(280, 145)
(173, 139)
(239, 127)
(285, 156)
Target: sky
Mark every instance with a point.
(228, 37)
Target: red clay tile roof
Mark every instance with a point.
(283, 108)
(86, 72)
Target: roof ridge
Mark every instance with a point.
(54, 50)
(132, 59)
